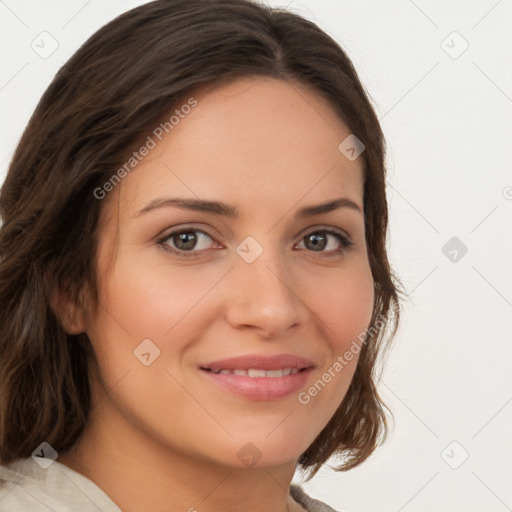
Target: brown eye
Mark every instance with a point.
(318, 241)
(185, 241)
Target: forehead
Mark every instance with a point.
(252, 139)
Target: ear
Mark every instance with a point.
(69, 311)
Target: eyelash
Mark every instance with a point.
(345, 242)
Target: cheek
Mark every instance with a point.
(344, 308)
(138, 303)
(343, 304)
(150, 301)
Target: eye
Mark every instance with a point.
(185, 241)
(318, 240)
(190, 242)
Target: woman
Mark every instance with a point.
(194, 281)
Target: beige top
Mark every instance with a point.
(26, 486)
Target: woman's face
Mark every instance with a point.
(269, 286)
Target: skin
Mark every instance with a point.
(163, 437)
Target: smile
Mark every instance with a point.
(264, 385)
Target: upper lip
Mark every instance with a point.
(259, 362)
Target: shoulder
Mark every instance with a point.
(27, 486)
(308, 503)
(23, 488)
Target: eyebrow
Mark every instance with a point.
(226, 210)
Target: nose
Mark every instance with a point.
(264, 297)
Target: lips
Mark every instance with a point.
(258, 377)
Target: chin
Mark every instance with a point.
(263, 451)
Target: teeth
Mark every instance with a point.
(275, 373)
(253, 372)
(256, 373)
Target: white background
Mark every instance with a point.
(448, 123)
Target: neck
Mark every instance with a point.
(139, 473)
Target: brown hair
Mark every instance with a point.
(99, 104)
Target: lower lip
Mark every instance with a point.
(260, 388)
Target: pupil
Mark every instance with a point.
(318, 241)
(186, 240)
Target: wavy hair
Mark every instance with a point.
(109, 94)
